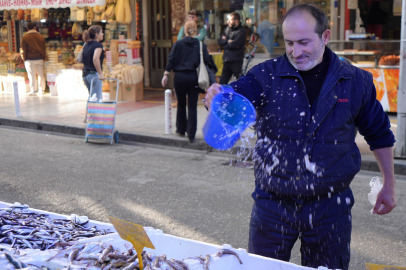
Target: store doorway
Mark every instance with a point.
(160, 41)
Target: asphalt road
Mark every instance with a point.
(186, 193)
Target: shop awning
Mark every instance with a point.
(30, 4)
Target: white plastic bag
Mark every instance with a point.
(93, 98)
(376, 186)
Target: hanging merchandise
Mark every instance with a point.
(13, 14)
(110, 11)
(42, 14)
(90, 16)
(81, 14)
(98, 10)
(103, 16)
(123, 12)
(6, 15)
(20, 14)
(35, 17)
(73, 14)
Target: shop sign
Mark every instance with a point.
(30, 4)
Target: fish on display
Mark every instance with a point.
(23, 228)
(222, 252)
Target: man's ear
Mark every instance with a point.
(326, 36)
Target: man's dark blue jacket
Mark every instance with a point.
(290, 132)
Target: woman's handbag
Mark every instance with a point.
(203, 76)
(79, 59)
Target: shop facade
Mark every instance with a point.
(62, 23)
(365, 33)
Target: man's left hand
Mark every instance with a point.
(385, 201)
(230, 40)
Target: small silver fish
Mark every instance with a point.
(103, 256)
(221, 252)
(72, 256)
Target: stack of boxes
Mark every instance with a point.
(130, 48)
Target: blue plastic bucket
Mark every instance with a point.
(230, 115)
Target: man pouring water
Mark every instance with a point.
(309, 104)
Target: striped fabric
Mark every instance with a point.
(100, 120)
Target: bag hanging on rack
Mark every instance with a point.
(203, 76)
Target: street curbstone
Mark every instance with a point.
(199, 144)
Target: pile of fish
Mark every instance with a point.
(23, 228)
(103, 256)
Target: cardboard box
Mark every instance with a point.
(113, 91)
(128, 91)
(133, 92)
(106, 86)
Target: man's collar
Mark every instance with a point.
(32, 32)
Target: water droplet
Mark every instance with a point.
(335, 141)
(338, 200)
(329, 195)
(302, 114)
(294, 94)
(348, 200)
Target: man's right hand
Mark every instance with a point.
(224, 37)
(213, 90)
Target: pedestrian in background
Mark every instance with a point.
(93, 56)
(255, 40)
(266, 30)
(33, 54)
(233, 41)
(193, 15)
(184, 59)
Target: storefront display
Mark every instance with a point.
(380, 58)
(62, 25)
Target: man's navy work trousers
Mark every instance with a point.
(323, 224)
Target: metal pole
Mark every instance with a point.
(168, 111)
(400, 148)
(16, 99)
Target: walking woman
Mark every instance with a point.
(184, 58)
(93, 55)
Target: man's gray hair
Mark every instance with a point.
(322, 22)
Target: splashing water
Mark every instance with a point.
(310, 166)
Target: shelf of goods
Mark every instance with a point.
(219, 257)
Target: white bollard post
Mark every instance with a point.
(16, 99)
(168, 111)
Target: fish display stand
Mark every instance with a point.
(170, 245)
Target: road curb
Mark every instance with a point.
(367, 165)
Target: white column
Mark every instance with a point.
(168, 111)
(16, 99)
(400, 149)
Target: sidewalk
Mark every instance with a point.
(136, 121)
